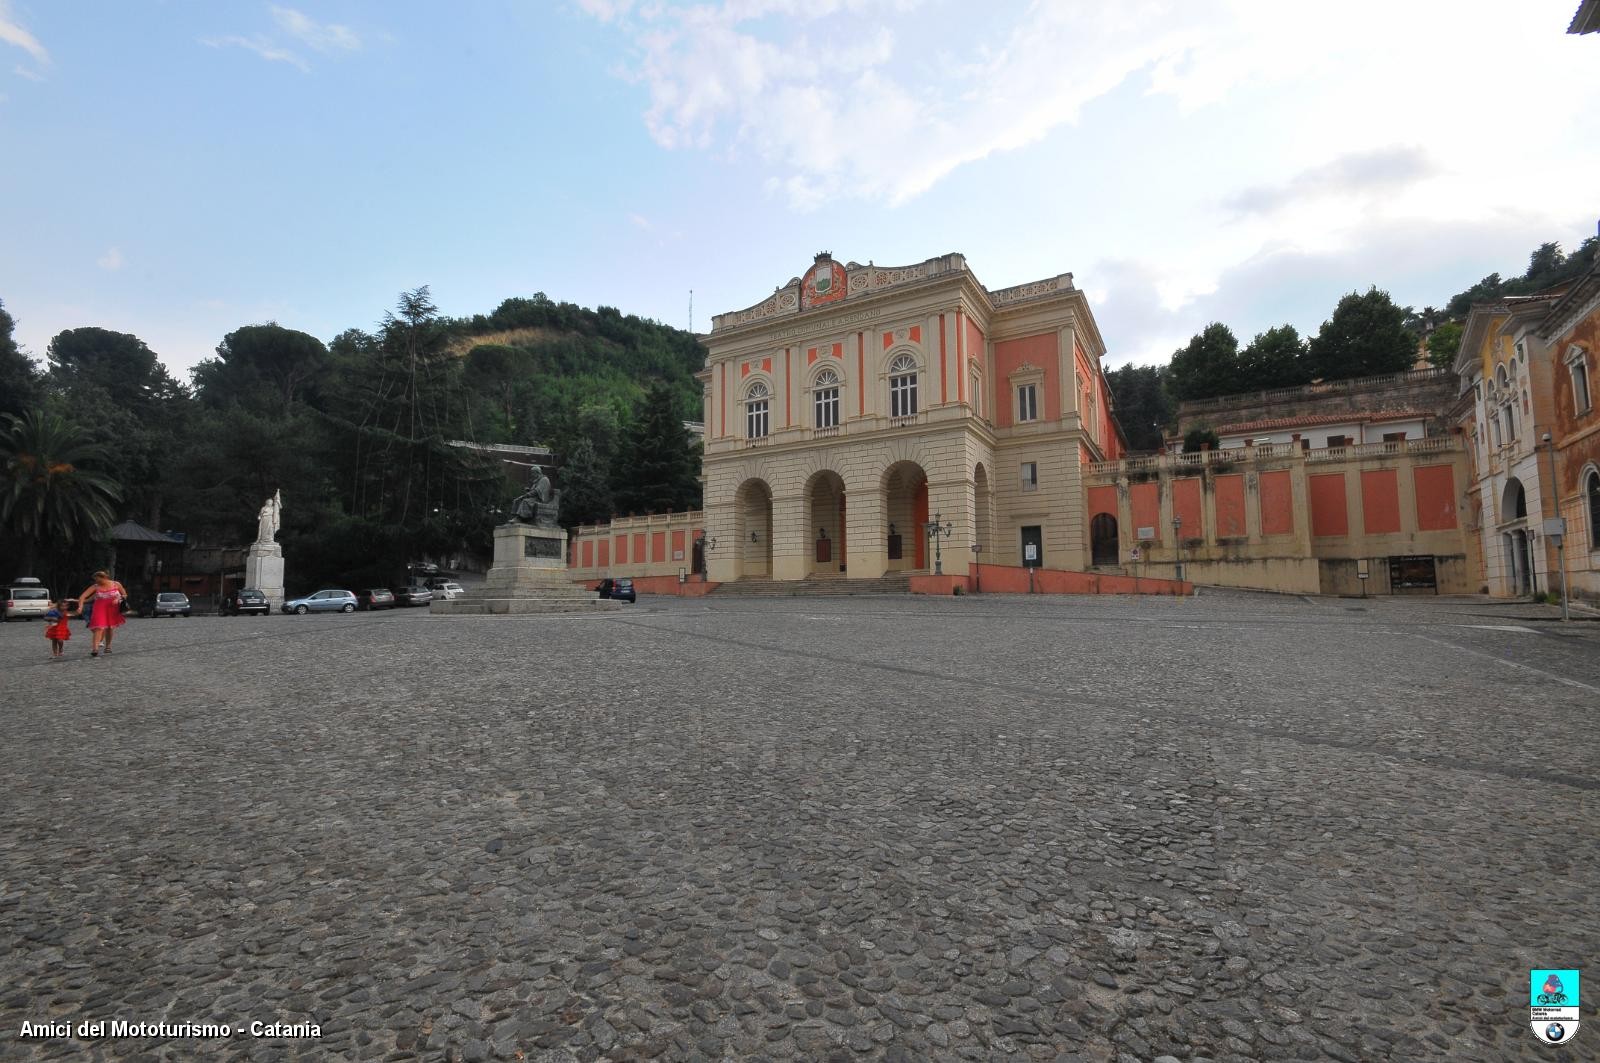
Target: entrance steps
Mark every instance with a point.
(894, 583)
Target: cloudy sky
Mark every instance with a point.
(177, 169)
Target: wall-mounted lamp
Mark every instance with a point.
(891, 528)
(752, 536)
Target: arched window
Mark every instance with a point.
(825, 400)
(1591, 491)
(902, 386)
(756, 418)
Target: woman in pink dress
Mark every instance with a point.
(108, 596)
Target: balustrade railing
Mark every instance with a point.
(1275, 452)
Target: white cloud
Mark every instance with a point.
(272, 53)
(111, 261)
(14, 33)
(324, 37)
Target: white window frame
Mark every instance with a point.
(757, 411)
(903, 374)
(1027, 403)
(1582, 385)
(825, 400)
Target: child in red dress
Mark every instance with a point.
(58, 631)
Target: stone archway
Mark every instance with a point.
(982, 513)
(825, 524)
(1513, 501)
(752, 530)
(905, 508)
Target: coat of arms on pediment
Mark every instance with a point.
(824, 283)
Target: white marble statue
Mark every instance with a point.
(270, 518)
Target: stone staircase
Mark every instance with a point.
(821, 586)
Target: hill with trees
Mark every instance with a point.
(356, 432)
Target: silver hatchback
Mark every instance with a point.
(322, 602)
(24, 599)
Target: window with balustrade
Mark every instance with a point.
(903, 386)
(757, 402)
(825, 400)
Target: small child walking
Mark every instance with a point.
(57, 630)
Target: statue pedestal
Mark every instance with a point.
(263, 570)
(529, 575)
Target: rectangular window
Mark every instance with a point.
(1030, 476)
(827, 407)
(1338, 441)
(1028, 402)
(1580, 386)
(903, 395)
(755, 419)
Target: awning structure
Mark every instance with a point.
(130, 531)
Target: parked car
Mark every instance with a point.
(446, 589)
(166, 603)
(25, 599)
(427, 568)
(370, 598)
(332, 601)
(413, 594)
(246, 600)
(618, 589)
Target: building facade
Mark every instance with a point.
(1505, 363)
(857, 404)
(1571, 336)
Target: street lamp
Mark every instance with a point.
(1177, 546)
(707, 544)
(1557, 527)
(938, 532)
(977, 567)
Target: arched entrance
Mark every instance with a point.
(1103, 546)
(752, 529)
(982, 513)
(905, 497)
(1513, 501)
(1517, 553)
(825, 525)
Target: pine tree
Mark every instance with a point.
(1208, 366)
(662, 470)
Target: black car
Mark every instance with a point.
(618, 589)
(413, 594)
(246, 600)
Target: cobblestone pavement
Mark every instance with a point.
(1235, 827)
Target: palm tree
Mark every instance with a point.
(47, 495)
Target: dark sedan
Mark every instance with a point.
(246, 600)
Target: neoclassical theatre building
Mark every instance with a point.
(859, 402)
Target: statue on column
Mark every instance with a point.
(270, 519)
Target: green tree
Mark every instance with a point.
(585, 487)
(1207, 367)
(663, 462)
(267, 368)
(1276, 358)
(1444, 343)
(52, 492)
(19, 380)
(1365, 336)
(1199, 437)
(1144, 409)
(117, 362)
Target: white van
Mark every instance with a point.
(25, 599)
